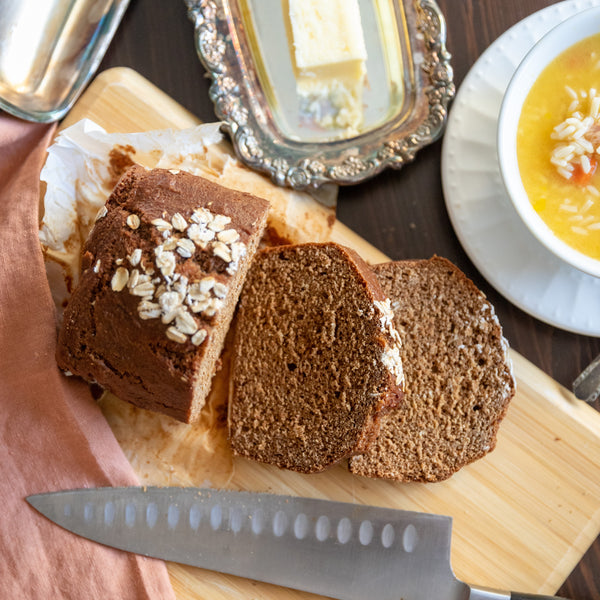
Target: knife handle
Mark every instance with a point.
(478, 593)
(521, 596)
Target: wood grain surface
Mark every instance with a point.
(401, 213)
(523, 516)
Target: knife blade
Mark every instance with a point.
(336, 549)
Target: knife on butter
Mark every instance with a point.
(341, 550)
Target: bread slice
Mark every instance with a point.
(315, 358)
(458, 375)
(161, 275)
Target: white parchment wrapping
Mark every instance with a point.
(79, 179)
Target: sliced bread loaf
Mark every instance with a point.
(315, 360)
(458, 375)
(161, 274)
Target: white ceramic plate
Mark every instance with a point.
(487, 225)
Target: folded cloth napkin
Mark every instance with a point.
(52, 435)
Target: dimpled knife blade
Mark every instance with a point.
(341, 550)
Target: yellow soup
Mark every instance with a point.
(558, 146)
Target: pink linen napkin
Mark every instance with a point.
(52, 434)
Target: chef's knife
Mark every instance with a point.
(340, 550)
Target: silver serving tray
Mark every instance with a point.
(243, 46)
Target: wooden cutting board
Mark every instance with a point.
(523, 516)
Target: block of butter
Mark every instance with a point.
(329, 55)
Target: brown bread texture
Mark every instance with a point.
(315, 358)
(459, 379)
(161, 275)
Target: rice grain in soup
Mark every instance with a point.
(558, 146)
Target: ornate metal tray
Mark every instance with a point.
(244, 48)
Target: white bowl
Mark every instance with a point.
(563, 36)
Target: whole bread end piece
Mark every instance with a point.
(315, 359)
(459, 378)
(161, 274)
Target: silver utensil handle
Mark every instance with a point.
(587, 385)
(517, 596)
(487, 594)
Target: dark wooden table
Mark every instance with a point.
(400, 212)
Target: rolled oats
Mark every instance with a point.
(238, 249)
(220, 290)
(133, 278)
(169, 301)
(199, 306)
(101, 213)
(222, 251)
(135, 257)
(119, 279)
(165, 261)
(202, 216)
(182, 283)
(176, 335)
(199, 337)
(392, 361)
(228, 236)
(162, 225)
(185, 323)
(219, 222)
(186, 247)
(170, 296)
(133, 221)
(195, 292)
(168, 316)
(170, 243)
(207, 284)
(148, 310)
(178, 221)
(143, 289)
(200, 235)
(213, 306)
(385, 309)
